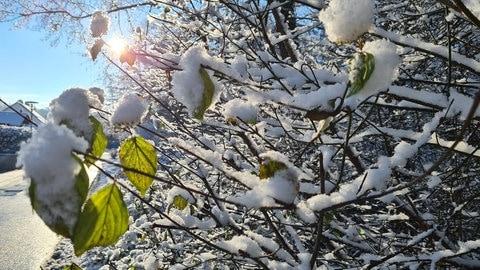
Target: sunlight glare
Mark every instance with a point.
(117, 45)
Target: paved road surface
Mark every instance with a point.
(25, 241)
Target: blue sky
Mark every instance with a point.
(32, 70)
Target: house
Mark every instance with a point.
(10, 115)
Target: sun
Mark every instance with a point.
(117, 45)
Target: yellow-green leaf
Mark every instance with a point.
(73, 266)
(269, 167)
(103, 220)
(207, 97)
(361, 67)
(98, 143)
(81, 181)
(136, 153)
(179, 202)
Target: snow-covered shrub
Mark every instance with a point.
(11, 137)
(270, 146)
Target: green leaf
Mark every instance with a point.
(208, 90)
(98, 143)
(179, 202)
(361, 67)
(269, 167)
(328, 217)
(82, 182)
(31, 194)
(136, 153)
(103, 220)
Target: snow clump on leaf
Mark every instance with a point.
(99, 93)
(346, 20)
(48, 160)
(387, 62)
(72, 108)
(243, 110)
(188, 84)
(130, 110)
(99, 24)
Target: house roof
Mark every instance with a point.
(25, 110)
(11, 119)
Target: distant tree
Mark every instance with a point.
(281, 134)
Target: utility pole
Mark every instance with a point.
(31, 104)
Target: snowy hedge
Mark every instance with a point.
(11, 138)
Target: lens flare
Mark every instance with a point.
(117, 45)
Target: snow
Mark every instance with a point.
(240, 66)
(282, 186)
(434, 49)
(99, 93)
(473, 6)
(99, 24)
(305, 213)
(215, 160)
(404, 150)
(319, 98)
(423, 96)
(417, 238)
(130, 110)
(242, 244)
(433, 181)
(241, 109)
(72, 108)
(346, 20)
(314, 3)
(47, 160)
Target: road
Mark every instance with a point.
(25, 241)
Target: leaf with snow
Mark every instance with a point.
(179, 202)
(137, 154)
(270, 167)
(103, 220)
(129, 56)
(207, 97)
(361, 67)
(96, 48)
(99, 24)
(99, 141)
